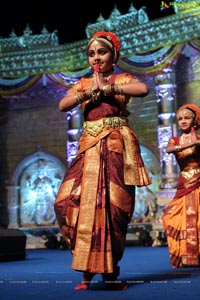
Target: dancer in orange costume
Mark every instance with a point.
(96, 199)
(181, 218)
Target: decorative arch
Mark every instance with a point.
(31, 196)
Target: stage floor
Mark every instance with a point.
(47, 274)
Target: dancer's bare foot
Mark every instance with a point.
(82, 286)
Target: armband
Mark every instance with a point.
(112, 89)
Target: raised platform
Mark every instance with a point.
(139, 234)
(12, 245)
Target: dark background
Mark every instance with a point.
(69, 17)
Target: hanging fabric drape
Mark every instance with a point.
(151, 63)
(15, 86)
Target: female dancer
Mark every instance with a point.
(181, 218)
(96, 199)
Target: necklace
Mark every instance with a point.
(186, 138)
(187, 135)
(107, 78)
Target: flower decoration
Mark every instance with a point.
(109, 36)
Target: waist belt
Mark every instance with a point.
(189, 174)
(94, 128)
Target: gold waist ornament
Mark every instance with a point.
(94, 128)
(189, 174)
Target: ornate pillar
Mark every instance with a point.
(74, 121)
(13, 206)
(166, 103)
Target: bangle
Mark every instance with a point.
(88, 93)
(79, 97)
(178, 148)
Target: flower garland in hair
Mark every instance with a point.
(110, 36)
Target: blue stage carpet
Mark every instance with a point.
(46, 274)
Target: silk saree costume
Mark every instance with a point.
(96, 199)
(181, 219)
